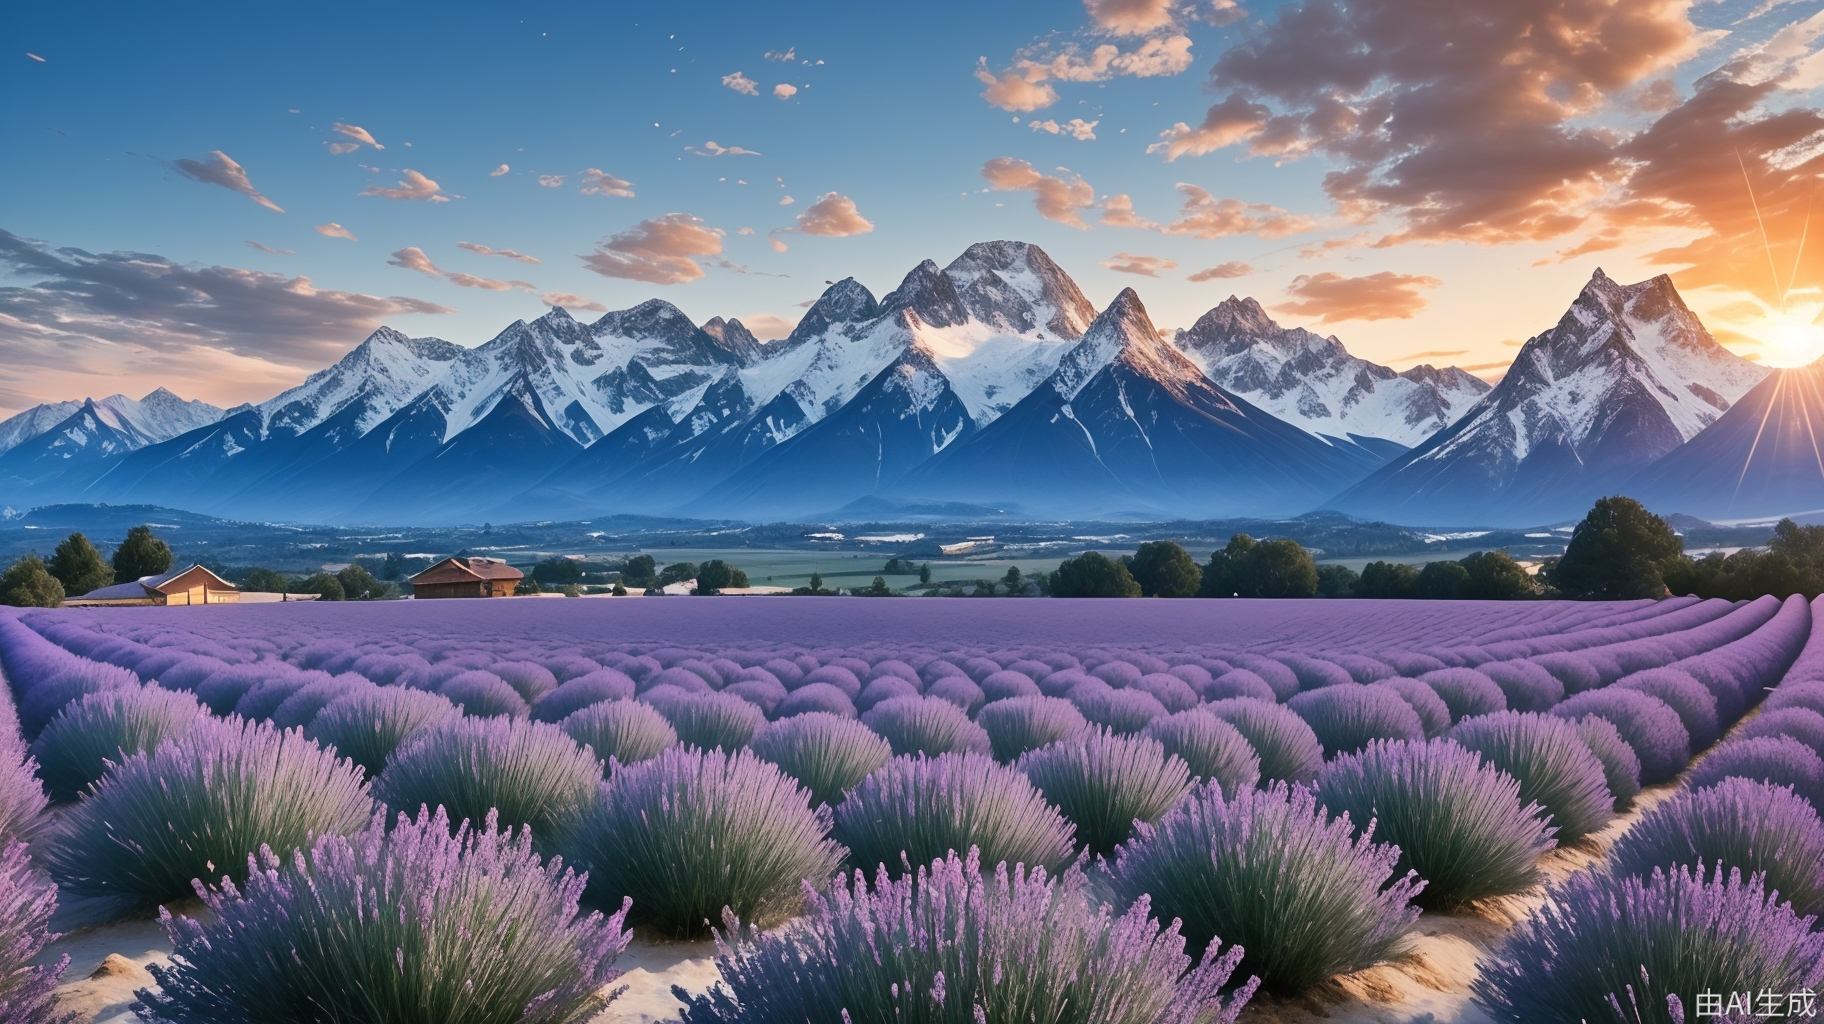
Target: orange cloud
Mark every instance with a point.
(660, 250)
(488, 250)
(1221, 272)
(1145, 266)
(218, 168)
(597, 182)
(1057, 198)
(574, 302)
(334, 230)
(1331, 297)
(413, 186)
(833, 215)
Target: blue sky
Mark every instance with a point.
(889, 120)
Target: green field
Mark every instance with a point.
(781, 567)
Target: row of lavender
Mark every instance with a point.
(1096, 740)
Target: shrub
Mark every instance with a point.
(822, 698)
(1171, 691)
(1466, 692)
(841, 677)
(1800, 695)
(1671, 935)
(712, 720)
(1692, 700)
(485, 695)
(1573, 670)
(527, 678)
(530, 773)
(1434, 714)
(367, 726)
(1019, 724)
(959, 691)
(950, 945)
(826, 753)
(1289, 751)
(1237, 682)
(1301, 893)
(1315, 673)
(690, 832)
(74, 750)
(1007, 684)
(1274, 674)
(1651, 728)
(266, 696)
(884, 689)
(1105, 783)
(27, 992)
(1552, 763)
(1458, 822)
(917, 809)
(1347, 717)
(365, 929)
(578, 692)
(1780, 760)
(44, 691)
(1211, 748)
(223, 691)
(1526, 686)
(925, 725)
(1620, 766)
(1755, 827)
(1123, 711)
(298, 709)
(1801, 724)
(22, 799)
(621, 731)
(196, 807)
(766, 694)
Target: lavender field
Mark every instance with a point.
(932, 811)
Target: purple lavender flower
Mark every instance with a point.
(1105, 783)
(1466, 692)
(1348, 716)
(1211, 748)
(826, 753)
(1780, 760)
(1434, 714)
(1289, 751)
(925, 725)
(711, 720)
(27, 992)
(1527, 686)
(1695, 704)
(917, 809)
(580, 691)
(1649, 725)
(75, 749)
(621, 731)
(529, 773)
(1552, 763)
(367, 726)
(1620, 765)
(1019, 724)
(1755, 827)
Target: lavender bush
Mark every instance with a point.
(1526, 686)
(1458, 822)
(827, 754)
(1434, 714)
(27, 987)
(1755, 827)
(1620, 766)
(690, 832)
(1780, 760)
(712, 720)
(621, 731)
(530, 774)
(1654, 731)
(1348, 717)
(1692, 700)
(22, 798)
(1211, 748)
(917, 809)
(1552, 763)
(75, 749)
(1018, 724)
(1289, 751)
(925, 725)
(950, 945)
(1802, 724)
(1671, 935)
(367, 726)
(1301, 893)
(195, 808)
(484, 695)
(1105, 783)
(1124, 711)
(1466, 692)
(578, 692)
(371, 927)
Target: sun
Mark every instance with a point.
(1792, 337)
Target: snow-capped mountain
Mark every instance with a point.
(139, 421)
(68, 452)
(1313, 382)
(377, 377)
(25, 425)
(1127, 423)
(1762, 458)
(1627, 375)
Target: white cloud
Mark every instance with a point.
(741, 84)
(413, 186)
(714, 148)
(551, 181)
(498, 171)
(597, 182)
(488, 250)
(360, 136)
(218, 168)
(334, 230)
(1076, 128)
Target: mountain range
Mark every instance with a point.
(991, 381)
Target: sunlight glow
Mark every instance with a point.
(1792, 337)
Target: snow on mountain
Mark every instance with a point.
(383, 373)
(60, 459)
(1127, 423)
(138, 421)
(1313, 382)
(1628, 374)
(1015, 287)
(23, 426)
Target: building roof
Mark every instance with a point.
(480, 568)
(145, 586)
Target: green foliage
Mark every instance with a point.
(1619, 552)
(677, 572)
(28, 584)
(360, 585)
(715, 576)
(79, 567)
(639, 570)
(1496, 576)
(1442, 581)
(527, 587)
(141, 554)
(924, 574)
(264, 581)
(1014, 581)
(1164, 569)
(556, 571)
(1793, 563)
(326, 586)
(1336, 581)
(1387, 580)
(878, 588)
(619, 590)
(1093, 574)
(1268, 568)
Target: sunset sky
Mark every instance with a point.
(222, 200)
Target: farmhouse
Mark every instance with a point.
(194, 585)
(466, 577)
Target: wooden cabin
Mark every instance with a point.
(466, 577)
(192, 586)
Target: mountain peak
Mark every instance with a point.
(1123, 333)
(846, 301)
(734, 336)
(1016, 286)
(930, 294)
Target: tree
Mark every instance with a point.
(1014, 581)
(1387, 580)
(393, 568)
(322, 584)
(1278, 568)
(1336, 581)
(558, 570)
(1222, 576)
(677, 572)
(1442, 581)
(924, 574)
(28, 584)
(264, 581)
(619, 590)
(360, 585)
(816, 582)
(1619, 552)
(878, 588)
(141, 554)
(79, 567)
(1093, 574)
(1495, 576)
(640, 570)
(527, 587)
(1164, 569)
(714, 576)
